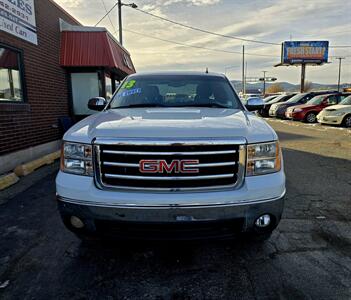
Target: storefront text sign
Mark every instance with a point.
(17, 17)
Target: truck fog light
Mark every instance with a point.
(76, 222)
(263, 221)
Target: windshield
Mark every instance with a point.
(175, 91)
(346, 101)
(278, 99)
(296, 98)
(316, 100)
(267, 99)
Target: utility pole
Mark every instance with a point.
(120, 21)
(340, 59)
(243, 73)
(264, 83)
(303, 75)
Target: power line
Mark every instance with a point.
(206, 31)
(108, 15)
(222, 35)
(197, 47)
(340, 46)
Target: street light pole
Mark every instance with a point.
(120, 21)
(243, 73)
(264, 83)
(120, 29)
(339, 58)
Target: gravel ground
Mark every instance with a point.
(308, 256)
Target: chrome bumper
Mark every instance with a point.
(248, 212)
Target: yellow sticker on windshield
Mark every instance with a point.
(129, 84)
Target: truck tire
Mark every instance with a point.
(311, 117)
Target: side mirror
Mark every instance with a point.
(97, 103)
(253, 104)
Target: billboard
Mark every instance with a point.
(18, 18)
(297, 52)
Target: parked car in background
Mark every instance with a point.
(278, 109)
(308, 112)
(270, 98)
(337, 114)
(264, 112)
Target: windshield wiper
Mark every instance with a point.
(140, 105)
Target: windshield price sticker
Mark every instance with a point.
(129, 84)
(130, 92)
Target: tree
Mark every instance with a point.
(308, 86)
(274, 88)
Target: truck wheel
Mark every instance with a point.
(311, 117)
(347, 121)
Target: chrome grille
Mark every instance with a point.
(117, 162)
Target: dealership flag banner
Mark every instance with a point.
(17, 17)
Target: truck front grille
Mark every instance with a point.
(218, 164)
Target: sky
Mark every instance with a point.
(270, 20)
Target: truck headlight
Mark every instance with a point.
(77, 159)
(263, 159)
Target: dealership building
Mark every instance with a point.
(50, 66)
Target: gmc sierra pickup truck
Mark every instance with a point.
(171, 156)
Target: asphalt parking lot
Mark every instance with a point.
(308, 256)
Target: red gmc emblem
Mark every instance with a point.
(175, 166)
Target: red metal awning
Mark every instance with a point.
(94, 49)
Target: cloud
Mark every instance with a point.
(269, 20)
(192, 2)
(156, 3)
(69, 4)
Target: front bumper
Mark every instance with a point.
(280, 113)
(173, 215)
(272, 112)
(330, 119)
(298, 116)
(171, 223)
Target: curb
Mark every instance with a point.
(8, 180)
(26, 169)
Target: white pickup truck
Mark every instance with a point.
(171, 156)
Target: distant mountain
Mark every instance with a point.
(287, 86)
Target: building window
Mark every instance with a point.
(10, 76)
(108, 87)
(84, 87)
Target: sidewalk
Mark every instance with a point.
(27, 181)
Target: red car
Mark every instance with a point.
(308, 112)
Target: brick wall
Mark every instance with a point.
(31, 124)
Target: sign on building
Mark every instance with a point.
(17, 17)
(301, 52)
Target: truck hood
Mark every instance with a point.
(171, 123)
